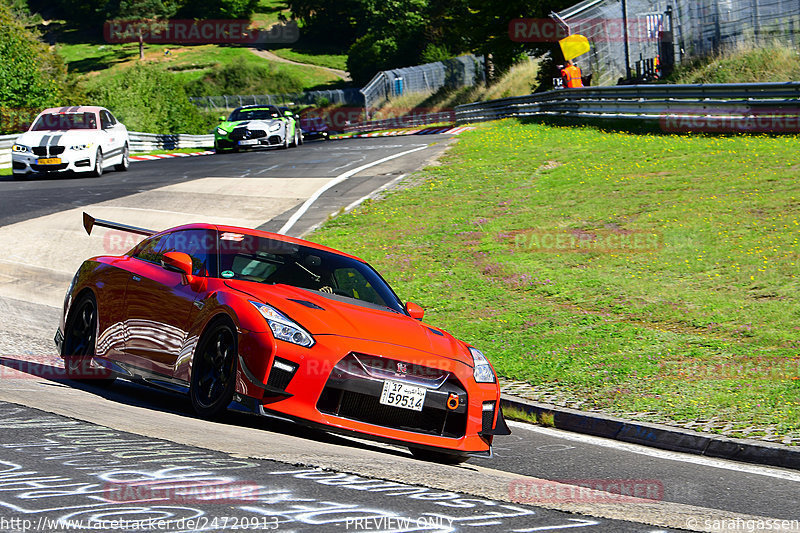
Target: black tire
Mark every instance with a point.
(126, 161)
(214, 367)
(300, 137)
(80, 334)
(433, 456)
(98, 164)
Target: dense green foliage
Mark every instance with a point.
(31, 76)
(92, 13)
(147, 98)
(397, 33)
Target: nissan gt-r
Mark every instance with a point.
(244, 319)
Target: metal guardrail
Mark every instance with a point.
(147, 142)
(5, 150)
(140, 142)
(742, 107)
(405, 121)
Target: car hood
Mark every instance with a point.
(56, 138)
(322, 314)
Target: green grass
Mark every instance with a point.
(773, 62)
(702, 326)
(313, 56)
(97, 63)
(267, 12)
(5, 171)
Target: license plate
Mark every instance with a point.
(50, 161)
(247, 142)
(401, 395)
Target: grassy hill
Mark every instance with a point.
(654, 276)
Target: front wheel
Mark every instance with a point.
(126, 160)
(79, 344)
(98, 164)
(214, 370)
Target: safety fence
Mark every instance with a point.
(318, 98)
(140, 142)
(741, 107)
(406, 121)
(466, 70)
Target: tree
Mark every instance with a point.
(31, 75)
(146, 16)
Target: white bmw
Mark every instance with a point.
(72, 139)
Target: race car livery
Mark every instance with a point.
(254, 126)
(86, 139)
(257, 321)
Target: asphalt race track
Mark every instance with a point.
(130, 458)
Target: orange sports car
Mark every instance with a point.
(245, 319)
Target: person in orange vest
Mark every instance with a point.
(572, 76)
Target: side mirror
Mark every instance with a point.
(222, 118)
(178, 262)
(415, 311)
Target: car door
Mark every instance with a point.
(109, 139)
(160, 304)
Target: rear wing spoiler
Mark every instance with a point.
(89, 222)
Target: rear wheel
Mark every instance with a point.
(98, 164)
(79, 344)
(214, 370)
(432, 456)
(126, 160)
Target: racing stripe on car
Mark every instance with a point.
(54, 140)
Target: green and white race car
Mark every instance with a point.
(254, 126)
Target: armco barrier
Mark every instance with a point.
(147, 142)
(5, 150)
(140, 142)
(405, 121)
(741, 107)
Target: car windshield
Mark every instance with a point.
(65, 121)
(263, 260)
(260, 113)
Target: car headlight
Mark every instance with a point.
(483, 370)
(81, 146)
(275, 127)
(20, 148)
(222, 132)
(283, 327)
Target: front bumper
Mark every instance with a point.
(327, 389)
(69, 161)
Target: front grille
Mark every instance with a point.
(42, 151)
(49, 168)
(240, 134)
(353, 394)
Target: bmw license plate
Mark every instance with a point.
(247, 142)
(399, 394)
(49, 161)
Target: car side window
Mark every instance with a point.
(111, 118)
(105, 120)
(200, 245)
(148, 250)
